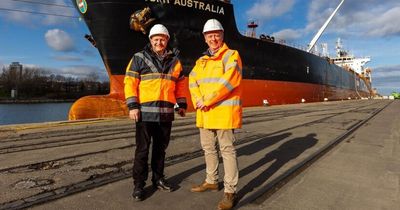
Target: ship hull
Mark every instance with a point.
(272, 71)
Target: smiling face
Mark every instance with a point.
(214, 39)
(159, 43)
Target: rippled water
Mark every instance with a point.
(32, 113)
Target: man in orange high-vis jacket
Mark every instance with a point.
(154, 83)
(214, 84)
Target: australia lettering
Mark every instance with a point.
(193, 4)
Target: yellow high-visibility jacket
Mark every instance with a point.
(154, 86)
(216, 79)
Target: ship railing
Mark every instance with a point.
(286, 43)
(297, 46)
(267, 38)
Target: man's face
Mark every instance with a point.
(159, 42)
(214, 39)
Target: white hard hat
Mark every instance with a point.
(158, 29)
(212, 25)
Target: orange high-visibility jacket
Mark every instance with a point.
(154, 86)
(216, 80)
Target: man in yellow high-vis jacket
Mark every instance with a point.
(214, 84)
(154, 83)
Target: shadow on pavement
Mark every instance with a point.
(282, 155)
(247, 150)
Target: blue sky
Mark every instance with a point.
(366, 27)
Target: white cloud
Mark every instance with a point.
(13, 16)
(82, 71)
(318, 13)
(74, 71)
(386, 25)
(369, 20)
(374, 18)
(288, 34)
(267, 9)
(30, 19)
(65, 11)
(67, 58)
(387, 72)
(386, 79)
(59, 40)
(28, 65)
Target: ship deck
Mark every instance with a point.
(330, 155)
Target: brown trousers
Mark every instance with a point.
(225, 139)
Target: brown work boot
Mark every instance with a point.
(204, 187)
(227, 201)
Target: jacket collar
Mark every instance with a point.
(218, 53)
(170, 52)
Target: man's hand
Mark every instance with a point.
(134, 114)
(205, 109)
(181, 112)
(200, 104)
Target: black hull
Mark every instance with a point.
(108, 22)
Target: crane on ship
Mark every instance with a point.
(322, 29)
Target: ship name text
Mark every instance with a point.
(193, 4)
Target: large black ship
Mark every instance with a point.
(273, 72)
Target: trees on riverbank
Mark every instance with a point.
(33, 83)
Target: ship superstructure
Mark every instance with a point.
(348, 61)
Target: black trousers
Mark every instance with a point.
(160, 133)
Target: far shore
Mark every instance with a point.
(34, 101)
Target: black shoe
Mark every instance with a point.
(138, 193)
(163, 185)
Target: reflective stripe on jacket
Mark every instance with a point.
(154, 86)
(216, 80)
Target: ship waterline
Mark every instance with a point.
(256, 93)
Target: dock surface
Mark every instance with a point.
(87, 164)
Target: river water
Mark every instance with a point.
(33, 113)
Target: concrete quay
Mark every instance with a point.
(57, 165)
(362, 173)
